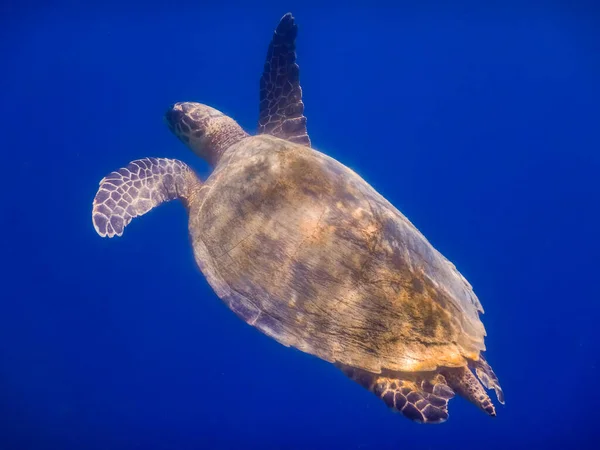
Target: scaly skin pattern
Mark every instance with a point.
(301, 247)
(419, 396)
(134, 190)
(281, 110)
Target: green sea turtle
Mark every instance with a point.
(304, 249)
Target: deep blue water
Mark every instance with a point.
(481, 125)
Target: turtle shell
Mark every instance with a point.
(301, 247)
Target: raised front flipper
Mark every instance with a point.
(281, 108)
(420, 397)
(136, 189)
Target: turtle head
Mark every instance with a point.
(207, 131)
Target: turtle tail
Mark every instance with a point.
(134, 190)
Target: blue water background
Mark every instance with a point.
(481, 124)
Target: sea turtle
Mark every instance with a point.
(304, 249)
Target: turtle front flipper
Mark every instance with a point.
(281, 108)
(134, 190)
(421, 397)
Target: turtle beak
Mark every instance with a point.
(173, 115)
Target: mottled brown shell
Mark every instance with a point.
(304, 249)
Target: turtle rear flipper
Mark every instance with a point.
(421, 397)
(487, 377)
(465, 384)
(134, 190)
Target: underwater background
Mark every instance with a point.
(481, 124)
